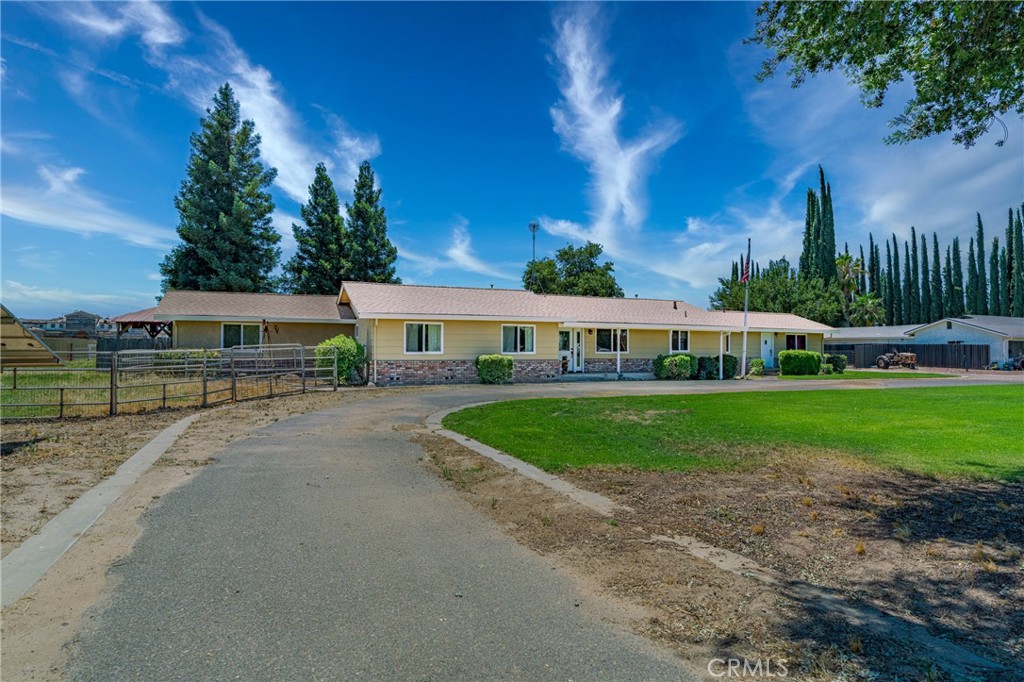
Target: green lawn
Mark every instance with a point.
(861, 374)
(973, 431)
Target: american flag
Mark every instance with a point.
(746, 265)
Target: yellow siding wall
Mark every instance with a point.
(643, 343)
(208, 334)
(815, 342)
(461, 340)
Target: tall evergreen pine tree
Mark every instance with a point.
(1005, 301)
(1008, 267)
(981, 295)
(827, 243)
(938, 302)
(972, 280)
(228, 239)
(319, 264)
(371, 255)
(925, 314)
(812, 229)
(862, 278)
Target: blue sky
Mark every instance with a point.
(639, 126)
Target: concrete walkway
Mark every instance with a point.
(322, 549)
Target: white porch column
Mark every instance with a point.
(618, 350)
(721, 369)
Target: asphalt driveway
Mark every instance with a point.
(319, 548)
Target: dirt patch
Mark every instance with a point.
(38, 630)
(942, 553)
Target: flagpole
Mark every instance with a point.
(746, 304)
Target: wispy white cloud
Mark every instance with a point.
(588, 122)
(17, 292)
(283, 224)
(196, 66)
(459, 255)
(62, 203)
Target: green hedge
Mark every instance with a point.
(756, 367)
(838, 362)
(799, 362)
(730, 366)
(707, 366)
(494, 369)
(676, 366)
(350, 356)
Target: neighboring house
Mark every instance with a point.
(1004, 337)
(221, 319)
(54, 326)
(81, 321)
(433, 334)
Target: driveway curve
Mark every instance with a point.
(319, 548)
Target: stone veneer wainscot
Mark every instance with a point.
(433, 372)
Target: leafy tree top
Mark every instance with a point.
(573, 271)
(965, 59)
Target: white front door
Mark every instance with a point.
(576, 363)
(768, 349)
(570, 349)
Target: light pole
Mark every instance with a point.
(533, 263)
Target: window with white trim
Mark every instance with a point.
(518, 338)
(423, 337)
(612, 340)
(679, 341)
(239, 335)
(796, 341)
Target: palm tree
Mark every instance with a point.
(866, 311)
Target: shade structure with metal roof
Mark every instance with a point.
(19, 347)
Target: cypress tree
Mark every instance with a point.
(887, 291)
(872, 267)
(319, 264)
(947, 299)
(1004, 286)
(957, 290)
(809, 255)
(908, 293)
(972, 280)
(1008, 269)
(981, 295)
(827, 237)
(938, 302)
(228, 239)
(1018, 267)
(371, 255)
(915, 285)
(862, 279)
(897, 289)
(925, 314)
(993, 284)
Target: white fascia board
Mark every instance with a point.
(242, 318)
(415, 317)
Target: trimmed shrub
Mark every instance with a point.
(350, 357)
(494, 369)
(799, 362)
(826, 369)
(707, 367)
(838, 362)
(675, 366)
(730, 366)
(756, 367)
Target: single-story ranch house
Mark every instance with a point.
(433, 334)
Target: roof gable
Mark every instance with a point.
(249, 306)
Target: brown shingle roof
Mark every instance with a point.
(146, 315)
(224, 305)
(396, 300)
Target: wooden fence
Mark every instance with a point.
(142, 380)
(948, 355)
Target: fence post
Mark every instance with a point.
(204, 403)
(61, 413)
(164, 399)
(334, 369)
(234, 380)
(15, 369)
(113, 386)
(302, 364)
